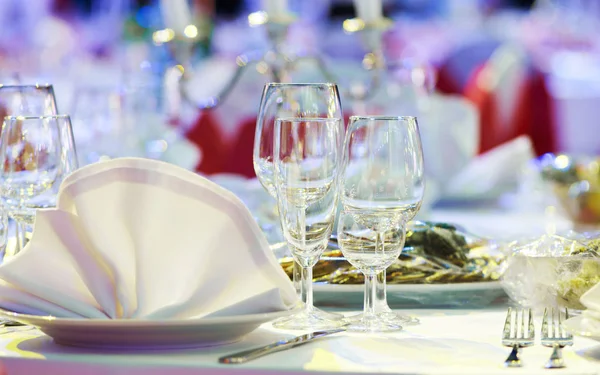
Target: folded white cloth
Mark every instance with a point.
(138, 238)
(591, 316)
(492, 173)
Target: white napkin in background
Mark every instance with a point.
(591, 316)
(492, 173)
(138, 238)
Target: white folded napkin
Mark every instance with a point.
(492, 173)
(591, 316)
(138, 238)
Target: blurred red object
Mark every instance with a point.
(531, 116)
(239, 160)
(207, 135)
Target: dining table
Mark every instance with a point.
(451, 339)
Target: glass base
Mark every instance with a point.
(310, 320)
(362, 323)
(385, 312)
(401, 319)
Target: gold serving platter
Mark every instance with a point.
(434, 253)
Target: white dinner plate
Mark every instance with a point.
(146, 334)
(417, 295)
(577, 327)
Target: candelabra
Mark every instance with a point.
(277, 63)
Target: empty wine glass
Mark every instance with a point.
(382, 180)
(26, 100)
(371, 250)
(35, 156)
(279, 100)
(306, 161)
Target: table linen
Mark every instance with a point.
(446, 342)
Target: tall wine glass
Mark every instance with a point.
(26, 100)
(306, 166)
(382, 179)
(293, 100)
(35, 156)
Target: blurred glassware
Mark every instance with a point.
(120, 121)
(382, 184)
(35, 157)
(289, 100)
(552, 270)
(4, 249)
(33, 100)
(27, 100)
(306, 160)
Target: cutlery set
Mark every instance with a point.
(519, 332)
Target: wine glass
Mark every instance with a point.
(26, 100)
(306, 165)
(382, 181)
(316, 100)
(371, 251)
(35, 155)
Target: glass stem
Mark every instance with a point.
(20, 229)
(297, 278)
(370, 295)
(307, 290)
(381, 305)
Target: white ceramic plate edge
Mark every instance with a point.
(410, 288)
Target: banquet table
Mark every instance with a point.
(457, 341)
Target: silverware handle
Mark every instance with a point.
(248, 355)
(513, 359)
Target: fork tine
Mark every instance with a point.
(522, 324)
(561, 332)
(545, 324)
(531, 328)
(507, 325)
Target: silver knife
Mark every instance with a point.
(248, 355)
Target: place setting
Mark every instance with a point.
(327, 187)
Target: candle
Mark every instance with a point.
(368, 10)
(276, 8)
(176, 15)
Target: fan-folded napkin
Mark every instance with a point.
(138, 238)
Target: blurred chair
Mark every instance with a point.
(512, 100)
(239, 160)
(205, 133)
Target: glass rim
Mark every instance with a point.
(299, 84)
(308, 119)
(33, 85)
(43, 117)
(383, 118)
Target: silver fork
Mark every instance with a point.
(554, 336)
(517, 334)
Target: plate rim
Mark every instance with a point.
(408, 288)
(44, 320)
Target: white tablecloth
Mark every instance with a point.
(446, 342)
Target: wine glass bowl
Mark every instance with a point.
(288, 100)
(31, 159)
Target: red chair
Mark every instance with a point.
(206, 134)
(239, 159)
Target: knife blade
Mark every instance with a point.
(248, 355)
